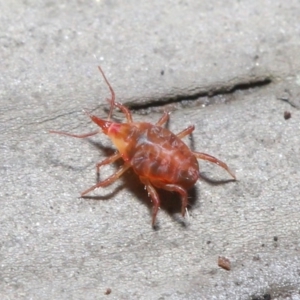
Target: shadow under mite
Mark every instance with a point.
(170, 202)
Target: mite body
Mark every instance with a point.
(159, 157)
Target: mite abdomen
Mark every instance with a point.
(161, 156)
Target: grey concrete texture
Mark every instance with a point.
(230, 68)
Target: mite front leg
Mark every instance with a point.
(113, 96)
(186, 131)
(108, 160)
(108, 180)
(214, 160)
(154, 197)
(79, 136)
(125, 110)
(164, 118)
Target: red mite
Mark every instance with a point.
(159, 157)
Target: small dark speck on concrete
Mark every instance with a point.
(224, 263)
(287, 115)
(256, 258)
(275, 238)
(108, 291)
(264, 297)
(162, 72)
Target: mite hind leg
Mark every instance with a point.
(175, 188)
(186, 131)
(154, 197)
(214, 160)
(108, 180)
(181, 191)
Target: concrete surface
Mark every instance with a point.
(231, 68)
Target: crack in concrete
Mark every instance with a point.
(206, 95)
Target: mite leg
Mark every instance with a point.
(108, 180)
(108, 160)
(154, 197)
(214, 160)
(164, 118)
(113, 97)
(181, 191)
(80, 136)
(125, 110)
(186, 131)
